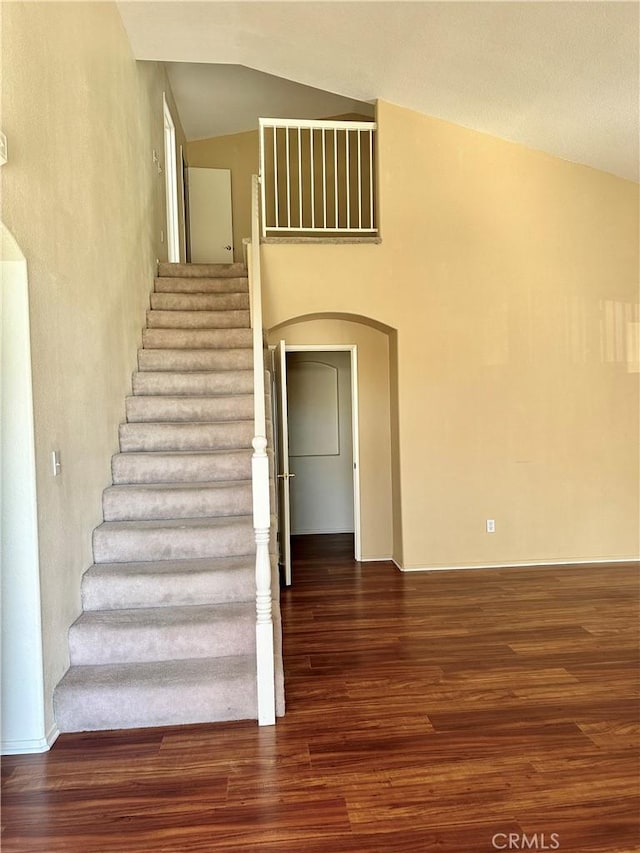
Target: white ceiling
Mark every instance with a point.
(562, 77)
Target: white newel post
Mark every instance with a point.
(264, 620)
(260, 478)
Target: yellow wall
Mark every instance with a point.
(86, 204)
(374, 416)
(511, 277)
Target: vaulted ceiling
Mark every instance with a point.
(562, 77)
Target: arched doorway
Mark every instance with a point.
(377, 408)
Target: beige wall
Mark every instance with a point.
(511, 277)
(374, 416)
(86, 205)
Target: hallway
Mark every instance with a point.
(425, 711)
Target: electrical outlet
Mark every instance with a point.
(491, 525)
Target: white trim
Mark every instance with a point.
(519, 564)
(31, 746)
(355, 430)
(171, 184)
(316, 123)
(22, 711)
(385, 559)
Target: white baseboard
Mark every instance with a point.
(384, 559)
(519, 565)
(30, 745)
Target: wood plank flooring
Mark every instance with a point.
(456, 712)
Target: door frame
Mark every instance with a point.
(171, 184)
(355, 426)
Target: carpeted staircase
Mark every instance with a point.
(167, 633)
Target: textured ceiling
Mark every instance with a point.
(558, 76)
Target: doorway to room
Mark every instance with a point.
(318, 466)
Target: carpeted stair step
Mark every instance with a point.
(157, 409)
(201, 270)
(233, 301)
(195, 359)
(181, 467)
(180, 583)
(183, 500)
(164, 693)
(101, 637)
(172, 539)
(221, 435)
(197, 319)
(191, 383)
(196, 338)
(200, 284)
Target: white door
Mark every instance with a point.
(282, 457)
(210, 221)
(320, 442)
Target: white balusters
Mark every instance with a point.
(338, 173)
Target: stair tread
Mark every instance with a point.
(179, 670)
(157, 693)
(202, 284)
(176, 523)
(233, 338)
(171, 373)
(185, 423)
(183, 399)
(195, 359)
(160, 454)
(180, 301)
(204, 352)
(173, 487)
(169, 583)
(212, 318)
(137, 501)
(195, 564)
(191, 383)
(157, 617)
(189, 270)
(198, 372)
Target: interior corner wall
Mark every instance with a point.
(376, 522)
(86, 203)
(511, 277)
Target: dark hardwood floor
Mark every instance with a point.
(456, 712)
